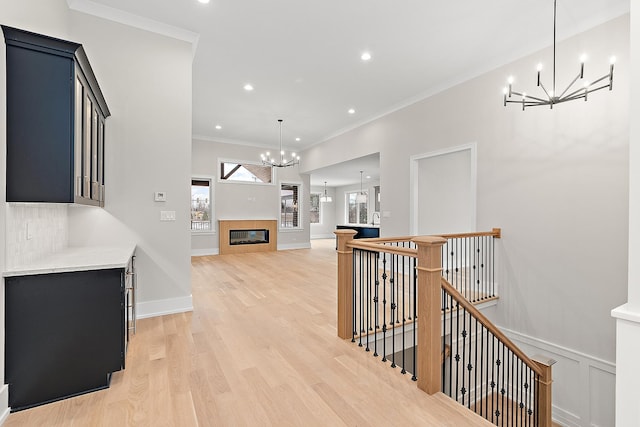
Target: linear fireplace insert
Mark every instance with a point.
(248, 237)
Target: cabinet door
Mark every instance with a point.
(94, 155)
(77, 143)
(100, 160)
(39, 126)
(64, 334)
(86, 147)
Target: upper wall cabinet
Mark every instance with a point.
(55, 122)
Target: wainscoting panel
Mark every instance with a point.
(583, 386)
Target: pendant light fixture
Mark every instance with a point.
(361, 197)
(551, 96)
(267, 160)
(325, 198)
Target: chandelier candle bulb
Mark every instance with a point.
(539, 68)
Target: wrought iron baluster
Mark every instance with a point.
(353, 302)
(444, 332)
(457, 346)
(475, 373)
(414, 377)
(404, 318)
(392, 284)
(482, 367)
(368, 299)
(384, 307)
(376, 301)
(451, 345)
(469, 365)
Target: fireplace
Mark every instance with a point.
(238, 236)
(248, 237)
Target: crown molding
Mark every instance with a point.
(120, 16)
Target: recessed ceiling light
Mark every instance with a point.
(298, 139)
(218, 127)
(204, 1)
(368, 177)
(248, 87)
(351, 111)
(365, 56)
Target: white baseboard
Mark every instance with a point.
(164, 307)
(584, 385)
(291, 246)
(205, 252)
(323, 236)
(4, 403)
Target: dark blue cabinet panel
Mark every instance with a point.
(65, 334)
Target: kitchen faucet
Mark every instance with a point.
(373, 218)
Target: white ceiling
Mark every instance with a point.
(303, 57)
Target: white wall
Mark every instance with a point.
(555, 181)
(438, 178)
(146, 79)
(628, 316)
(246, 201)
(327, 215)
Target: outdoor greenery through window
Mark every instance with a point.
(289, 213)
(245, 172)
(357, 213)
(314, 208)
(201, 205)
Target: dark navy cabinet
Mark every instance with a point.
(65, 334)
(362, 231)
(55, 122)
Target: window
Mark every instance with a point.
(289, 212)
(245, 172)
(314, 208)
(357, 211)
(201, 205)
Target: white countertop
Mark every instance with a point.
(77, 259)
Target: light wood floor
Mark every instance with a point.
(259, 349)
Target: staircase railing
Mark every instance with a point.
(394, 299)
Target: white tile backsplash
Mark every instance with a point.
(48, 229)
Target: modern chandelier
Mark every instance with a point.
(551, 96)
(325, 198)
(267, 160)
(362, 196)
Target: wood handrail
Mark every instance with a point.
(496, 232)
(376, 247)
(473, 311)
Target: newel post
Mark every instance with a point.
(429, 363)
(345, 283)
(544, 389)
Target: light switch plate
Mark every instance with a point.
(167, 215)
(160, 196)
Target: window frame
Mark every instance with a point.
(212, 229)
(301, 207)
(248, 162)
(346, 207)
